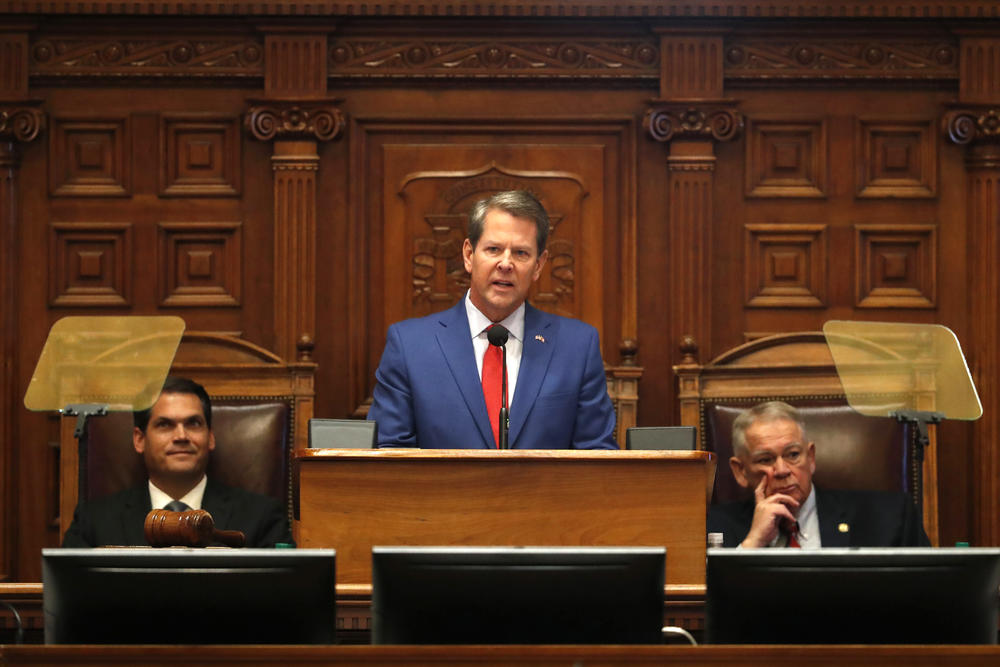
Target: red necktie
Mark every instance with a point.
(793, 537)
(493, 386)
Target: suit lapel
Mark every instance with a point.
(455, 341)
(535, 357)
(133, 516)
(218, 503)
(831, 515)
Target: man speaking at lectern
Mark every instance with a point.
(440, 381)
(175, 439)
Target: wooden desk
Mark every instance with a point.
(486, 656)
(351, 500)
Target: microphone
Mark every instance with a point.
(498, 335)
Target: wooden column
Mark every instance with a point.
(297, 116)
(689, 118)
(20, 123)
(975, 123)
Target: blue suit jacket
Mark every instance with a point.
(429, 393)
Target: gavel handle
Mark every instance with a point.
(231, 538)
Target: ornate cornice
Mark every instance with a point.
(294, 120)
(510, 57)
(973, 124)
(20, 123)
(667, 121)
(778, 57)
(697, 9)
(129, 57)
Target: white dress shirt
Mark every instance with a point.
(192, 498)
(514, 323)
(808, 521)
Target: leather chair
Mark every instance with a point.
(261, 407)
(852, 451)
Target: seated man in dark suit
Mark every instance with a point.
(773, 457)
(175, 438)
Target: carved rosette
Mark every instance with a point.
(973, 125)
(323, 122)
(665, 123)
(20, 123)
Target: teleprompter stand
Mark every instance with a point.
(92, 365)
(927, 359)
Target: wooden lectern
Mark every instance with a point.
(351, 500)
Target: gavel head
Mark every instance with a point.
(191, 528)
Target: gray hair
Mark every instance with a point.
(770, 411)
(518, 203)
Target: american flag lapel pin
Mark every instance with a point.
(540, 338)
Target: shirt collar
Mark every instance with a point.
(192, 498)
(514, 323)
(806, 512)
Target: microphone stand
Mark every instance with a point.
(504, 412)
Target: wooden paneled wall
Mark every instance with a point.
(716, 171)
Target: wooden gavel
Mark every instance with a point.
(191, 528)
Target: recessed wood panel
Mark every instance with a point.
(90, 157)
(90, 264)
(896, 266)
(785, 266)
(200, 263)
(786, 158)
(896, 158)
(199, 156)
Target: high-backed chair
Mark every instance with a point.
(852, 451)
(261, 406)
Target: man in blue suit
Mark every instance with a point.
(430, 383)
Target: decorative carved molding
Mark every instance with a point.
(973, 124)
(716, 120)
(786, 157)
(20, 123)
(690, 66)
(200, 263)
(90, 264)
(895, 158)
(978, 82)
(199, 156)
(896, 266)
(785, 266)
(838, 58)
(717, 9)
(295, 66)
(294, 120)
(90, 157)
(511, 57)
(129, 57)
(14, 73)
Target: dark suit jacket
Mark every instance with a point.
(872, 519)
(429, 393)
(117, 520)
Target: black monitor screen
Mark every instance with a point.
(852, 596)
(515, 595)
(188, 596)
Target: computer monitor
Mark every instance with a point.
(188, 596)
(660, 437)
(342, 433)
(852, 596)
(517, 595)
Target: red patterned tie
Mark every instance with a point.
(493, 386)
(793, 537)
